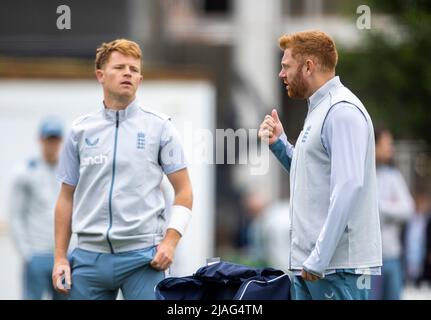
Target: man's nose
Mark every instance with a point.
(127, 71)
(281, 74)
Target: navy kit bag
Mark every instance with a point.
(226, 281)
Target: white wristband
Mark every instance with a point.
(180, 219)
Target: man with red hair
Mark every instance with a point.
(111, 169)
(335, 241)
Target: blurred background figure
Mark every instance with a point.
(249, 234)
(417, 239)
(396, 206)
(255, 204)
(31, 211)
(264, 231)
(276, 235)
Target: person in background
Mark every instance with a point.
(275, 234)
(33, 196)
(417, 240)
(255, 204)
(396, 206)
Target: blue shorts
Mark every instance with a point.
(99, 276)
(336, 286)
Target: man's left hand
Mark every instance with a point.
(164, 256)
(166, 251)
(307, 276)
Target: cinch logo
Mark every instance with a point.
(89, 161)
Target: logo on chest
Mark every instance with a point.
(94, 160)
(91, 143)
(306, 134)
(140, 140)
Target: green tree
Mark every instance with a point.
(393, 78)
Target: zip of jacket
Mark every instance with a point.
(112, 182)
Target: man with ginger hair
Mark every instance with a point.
(335, 241)
(111, 168)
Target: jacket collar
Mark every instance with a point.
(314, 100)
(129, 111)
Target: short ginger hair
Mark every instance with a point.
(312, 43)
(124, 46)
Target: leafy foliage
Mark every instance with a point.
(393, 78)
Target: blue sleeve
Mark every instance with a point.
(68, 167)
(283, 151)
(345, 136)
(171, 155)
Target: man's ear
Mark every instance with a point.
(100, 75)
(310, 66)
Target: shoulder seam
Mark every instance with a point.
(85, 117)
(160, 115)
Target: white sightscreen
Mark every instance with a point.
(190, 103)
